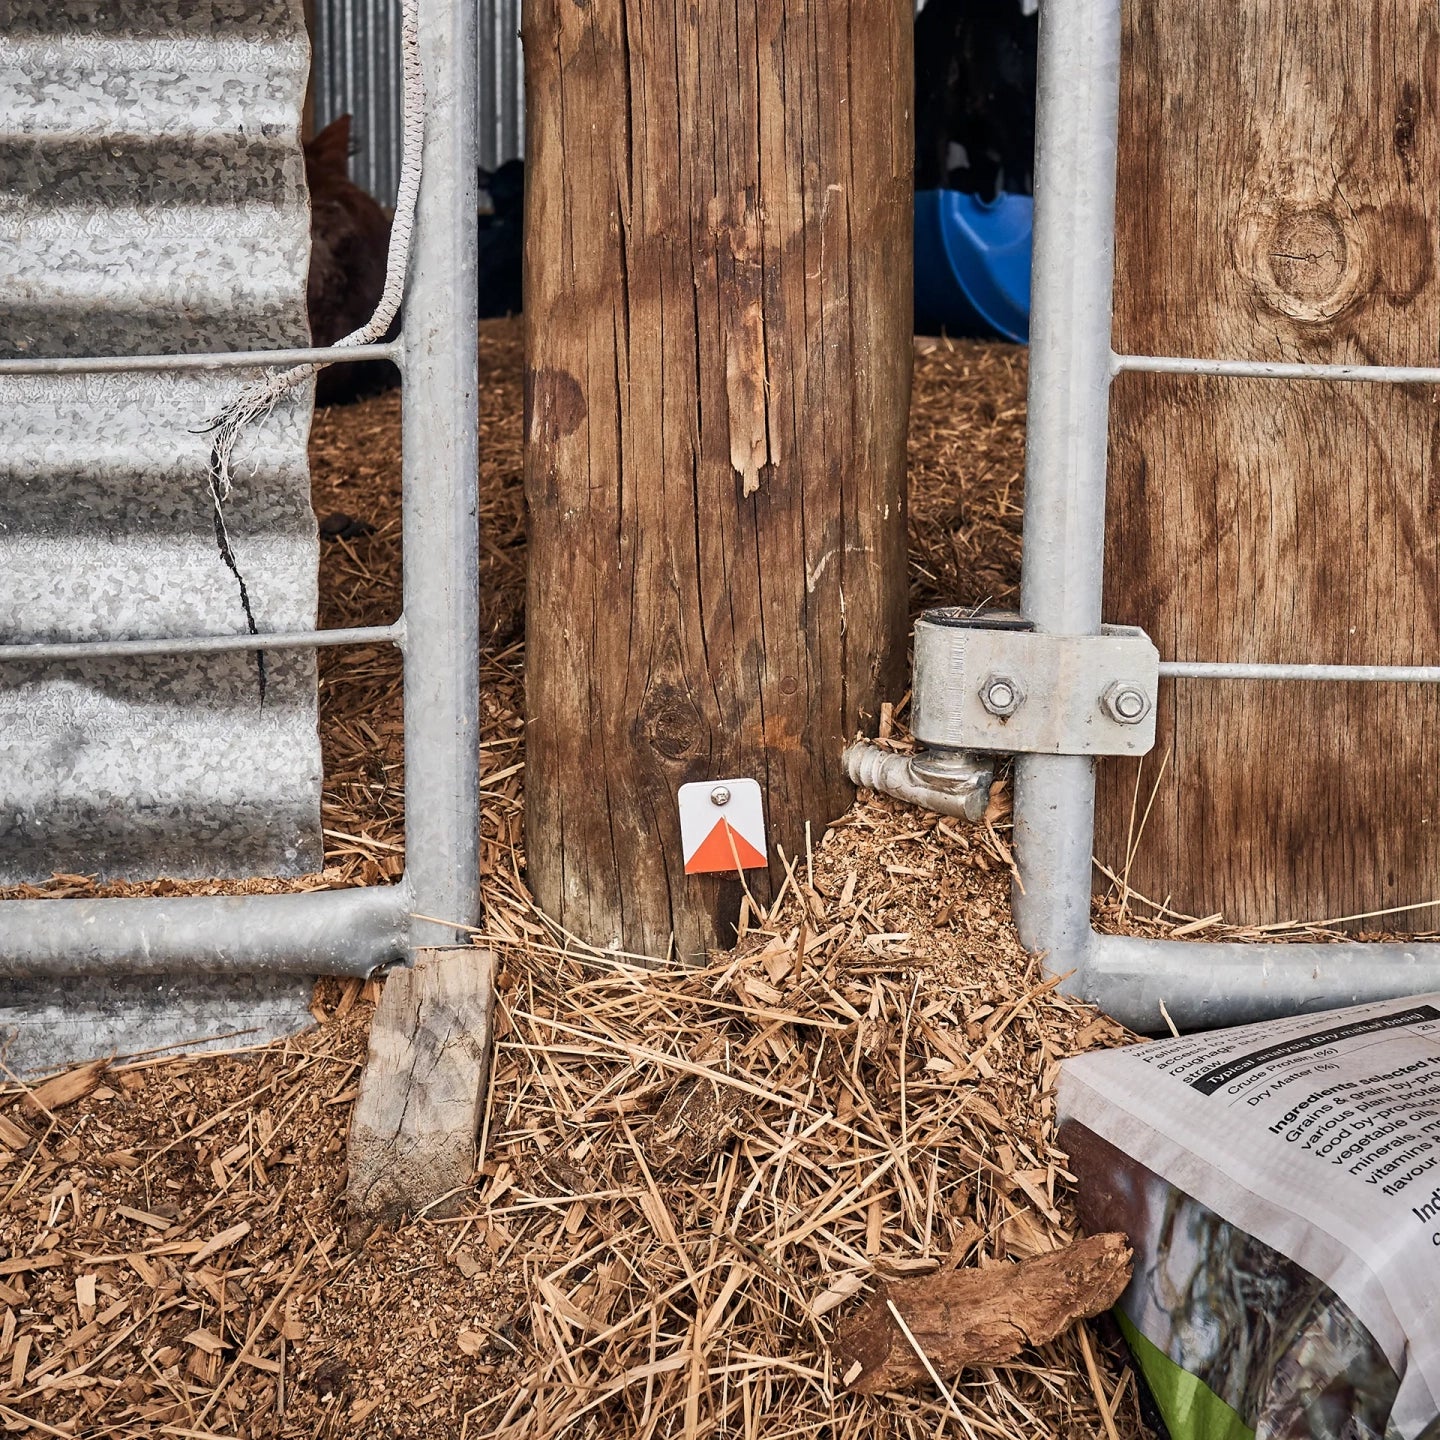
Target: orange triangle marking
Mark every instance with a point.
(715, 853)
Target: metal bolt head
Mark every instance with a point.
(720, 795)
(1125, 703)
(1002, 695)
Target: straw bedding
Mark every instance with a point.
(689, 1175)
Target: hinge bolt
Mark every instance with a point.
(1125, 704)
(1002, 695)
(720, 795)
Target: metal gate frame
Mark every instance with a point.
(1199, 983)
(345, 932)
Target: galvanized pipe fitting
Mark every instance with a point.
(949, 782)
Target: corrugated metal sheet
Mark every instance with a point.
(152, 200)
(501, 134)
(47, 1026)
(357, 72)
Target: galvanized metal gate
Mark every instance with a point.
(1071, 367)
(97, 973)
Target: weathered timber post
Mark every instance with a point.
(1280, 174)
(718, 307)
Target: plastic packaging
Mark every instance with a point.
(972, 264)
(1280, 1185)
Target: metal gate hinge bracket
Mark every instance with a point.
(989, 681)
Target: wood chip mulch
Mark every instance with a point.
(689, 1177)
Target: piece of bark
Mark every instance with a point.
(412, 1139)
(67, 1088)
(979, 1316)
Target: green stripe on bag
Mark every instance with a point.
(1192, 1410)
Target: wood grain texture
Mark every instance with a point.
(982, 1315)
(412, 1137)
(1279, 182)
(718, 316)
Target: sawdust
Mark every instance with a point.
(871, 1074)
(967, 467)
(734, 1149)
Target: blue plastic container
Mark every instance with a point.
(972, 264)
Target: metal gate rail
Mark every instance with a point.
(1199, 983)
(438, 634)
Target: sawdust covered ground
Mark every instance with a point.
(689, 1176)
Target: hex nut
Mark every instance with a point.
(1002, 695)
(1125, 703)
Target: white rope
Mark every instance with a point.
(259, 398)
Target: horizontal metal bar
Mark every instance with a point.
(1266, 370)
(322, 932)
(218, 360)
(1225, 670)
(1204, 984)
(207, 644)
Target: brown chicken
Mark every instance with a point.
(349, 237)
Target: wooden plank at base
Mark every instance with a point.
(412, 1138)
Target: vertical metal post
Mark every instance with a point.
(1066, 438)
(441, 499)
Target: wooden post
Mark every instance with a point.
(1280, 175)
(718, 308)
(422, 1092)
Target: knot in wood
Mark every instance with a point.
(1306, 262)
(673, 728)
(1307, 255)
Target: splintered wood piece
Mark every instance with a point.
(412, 1138)
(979, 1316)
(13, 1135)
(66, 1088)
